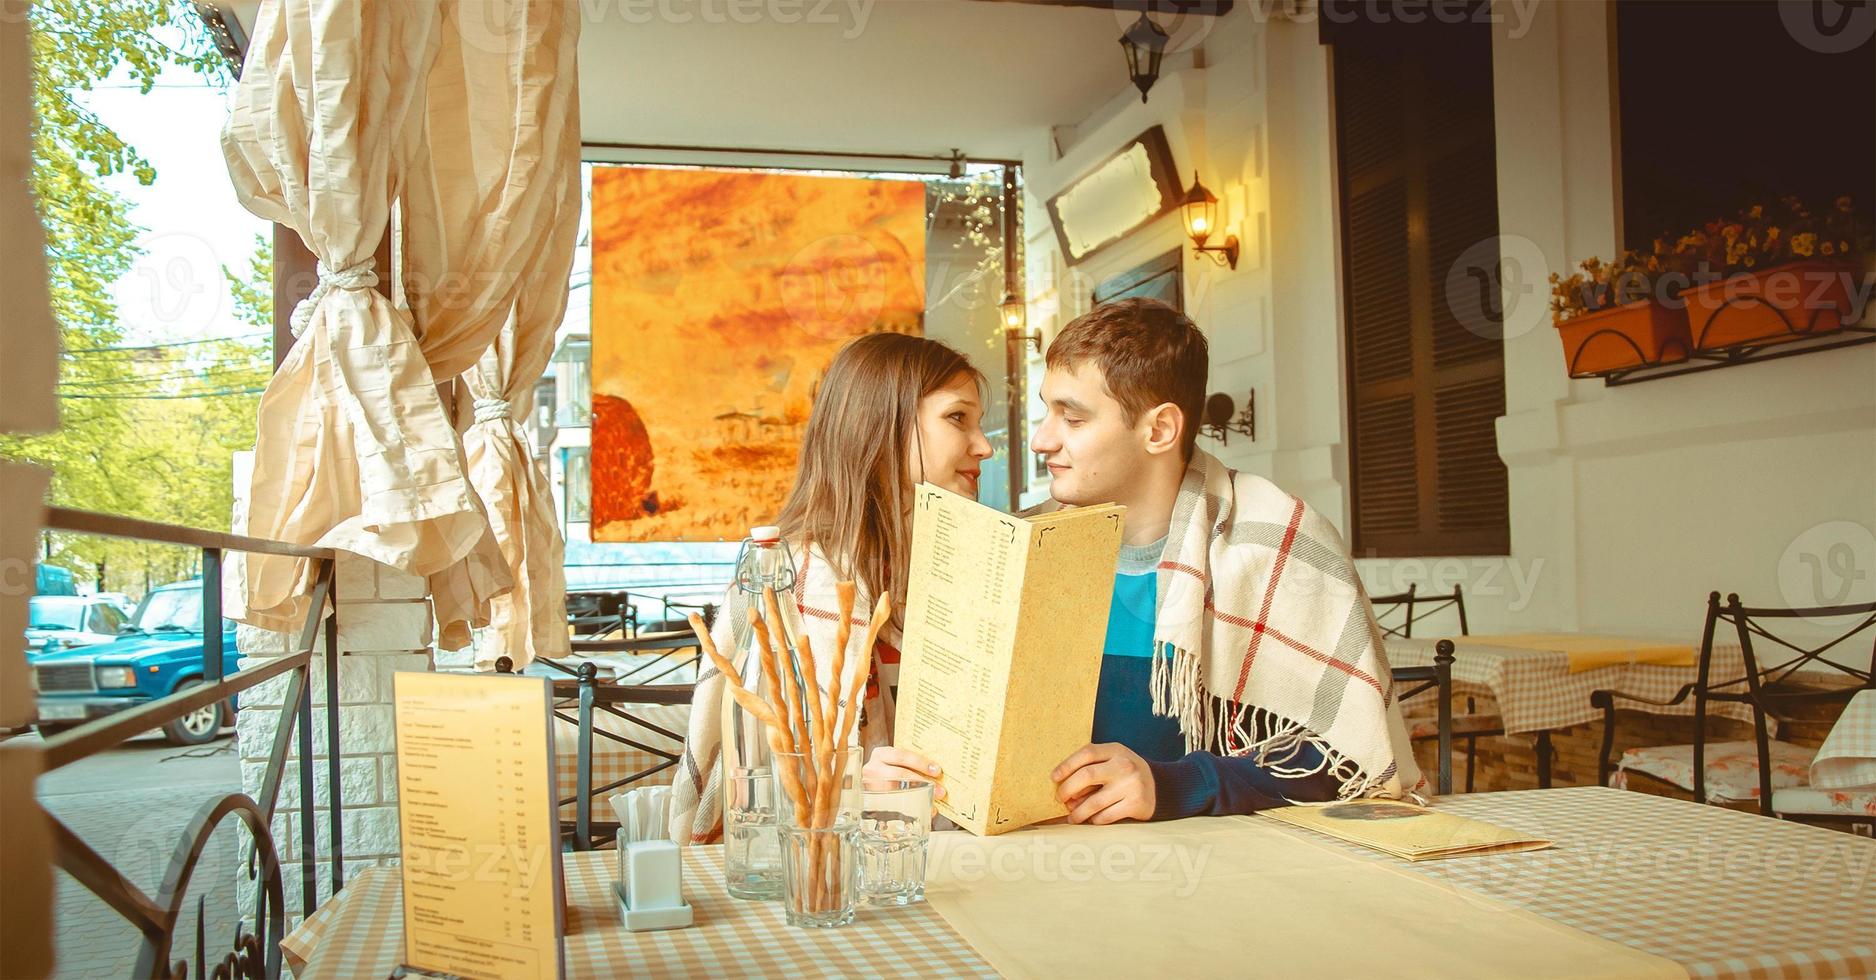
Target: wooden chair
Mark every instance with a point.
(1438, 678)
(1413, 607)
(1744, 771)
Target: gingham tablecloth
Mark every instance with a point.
(1848, 755)
(1536, 691)
(360, 933)
(1723, 893)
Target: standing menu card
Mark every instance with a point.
(1004, 626)
(480, 838)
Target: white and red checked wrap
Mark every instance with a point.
(1264, 640)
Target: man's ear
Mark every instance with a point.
(1161, 425)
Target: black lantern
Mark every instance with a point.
(1200, 209)
(1013, 312)
(1144, 44)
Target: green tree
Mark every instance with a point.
(139, 434)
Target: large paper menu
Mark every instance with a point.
(1004, 625)
(480, 839)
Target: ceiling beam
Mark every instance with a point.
(1203, 8)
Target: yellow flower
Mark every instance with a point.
(1804, 244)
(1843, 204)
(1828, 248)
(1750, 261)
(1758, 211)
(1843, 247)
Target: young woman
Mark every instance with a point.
(893, 411)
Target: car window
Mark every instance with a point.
(45, 614)
(173, 609)
(106, 619)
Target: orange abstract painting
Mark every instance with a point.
(718, 300)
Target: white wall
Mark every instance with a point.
(1627, 504)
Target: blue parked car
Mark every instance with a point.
(159, 654)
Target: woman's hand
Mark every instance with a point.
(888, 762)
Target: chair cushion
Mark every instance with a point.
(1855, 800)
(1732, 767)
(1463, 724)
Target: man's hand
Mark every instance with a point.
(1105, 783)
(888, 762)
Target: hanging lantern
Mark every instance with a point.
(1144, 44)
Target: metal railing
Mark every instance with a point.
(157, 917)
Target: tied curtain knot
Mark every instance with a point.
(360, 276)
(491, 410)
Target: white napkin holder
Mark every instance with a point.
(651, 886)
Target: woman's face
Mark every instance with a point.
(949, 447)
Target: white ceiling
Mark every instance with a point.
(912, 76)
(891, 76)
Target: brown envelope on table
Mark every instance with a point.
(1406, 831)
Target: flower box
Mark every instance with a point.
(1787, 302)
(1634, 335)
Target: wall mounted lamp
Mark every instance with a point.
(1200, 208)
(1223, 418)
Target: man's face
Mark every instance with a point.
(1093, 453)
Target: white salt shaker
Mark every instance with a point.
(651, 886)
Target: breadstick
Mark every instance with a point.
(709, 647)
(774, 695)
(791, 680)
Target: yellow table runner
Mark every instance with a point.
(1590, 652)
(1234, 897)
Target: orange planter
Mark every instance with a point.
(1787, 302)
(1631, 336)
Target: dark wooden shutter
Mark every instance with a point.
(1426, 373)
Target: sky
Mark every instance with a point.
(192, 224)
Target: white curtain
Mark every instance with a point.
(449, 108)
(490, 220)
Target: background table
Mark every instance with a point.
(1721, 893)
(1537, 693)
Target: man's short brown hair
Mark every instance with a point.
(1148, 354)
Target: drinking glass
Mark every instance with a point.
(893, 835)
(818, 876)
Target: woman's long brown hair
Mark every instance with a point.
(853, 490)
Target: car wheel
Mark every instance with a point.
(198, 726)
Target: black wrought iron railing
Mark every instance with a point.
(256, 952)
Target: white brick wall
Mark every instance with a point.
(384, 627)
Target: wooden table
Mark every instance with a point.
(1718, 892)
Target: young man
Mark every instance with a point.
(1242, 667)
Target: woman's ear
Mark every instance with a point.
(1163, 423)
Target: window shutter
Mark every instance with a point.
(1417, 175)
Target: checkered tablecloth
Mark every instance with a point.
(1722, 893)
(360, 933)
(1848, 755)
(1536, 690)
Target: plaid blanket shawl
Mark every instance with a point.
(696, 807)
(1264, 640)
